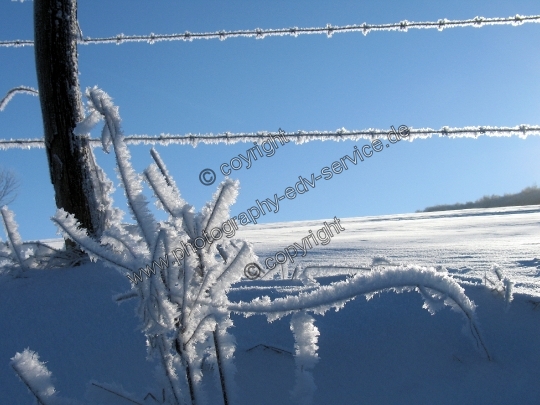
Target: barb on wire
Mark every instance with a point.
(299, 137)
(329, 30)
(11, 93)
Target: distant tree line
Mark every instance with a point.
(527, 196)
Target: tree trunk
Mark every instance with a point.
(71, 160)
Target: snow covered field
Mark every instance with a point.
(467, 242)
(388, 350)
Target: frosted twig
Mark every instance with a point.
(336, 294)
(116, 393)
(34, 392)
(11, 93)
(35, 375)
(12, 232)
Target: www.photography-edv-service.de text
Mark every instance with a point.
(229, 227)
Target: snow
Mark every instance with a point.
(384, 350)
(466, 242)
(69, 318)
(186, 307)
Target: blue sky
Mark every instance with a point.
(422, 78)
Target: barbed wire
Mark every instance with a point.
(299, 137)
(329, 30)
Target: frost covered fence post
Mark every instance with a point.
(71, 160)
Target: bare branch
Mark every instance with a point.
(9, 183)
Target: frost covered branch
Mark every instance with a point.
(447, 292)
(11, 93)
(19, 256)
(329, 30)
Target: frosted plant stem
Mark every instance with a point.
(13, 234)
(39, 400)
(340, 292)
(125, 244)
(220, 367)
(166, 368)
(200, 325)
(21, 89)
(163, 169)
(87, 244)
(180, 346)
(116, 393)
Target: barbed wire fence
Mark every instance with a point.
(329, 30)
(300, 136)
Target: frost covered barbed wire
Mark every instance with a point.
(329, 30)
(299, 137)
